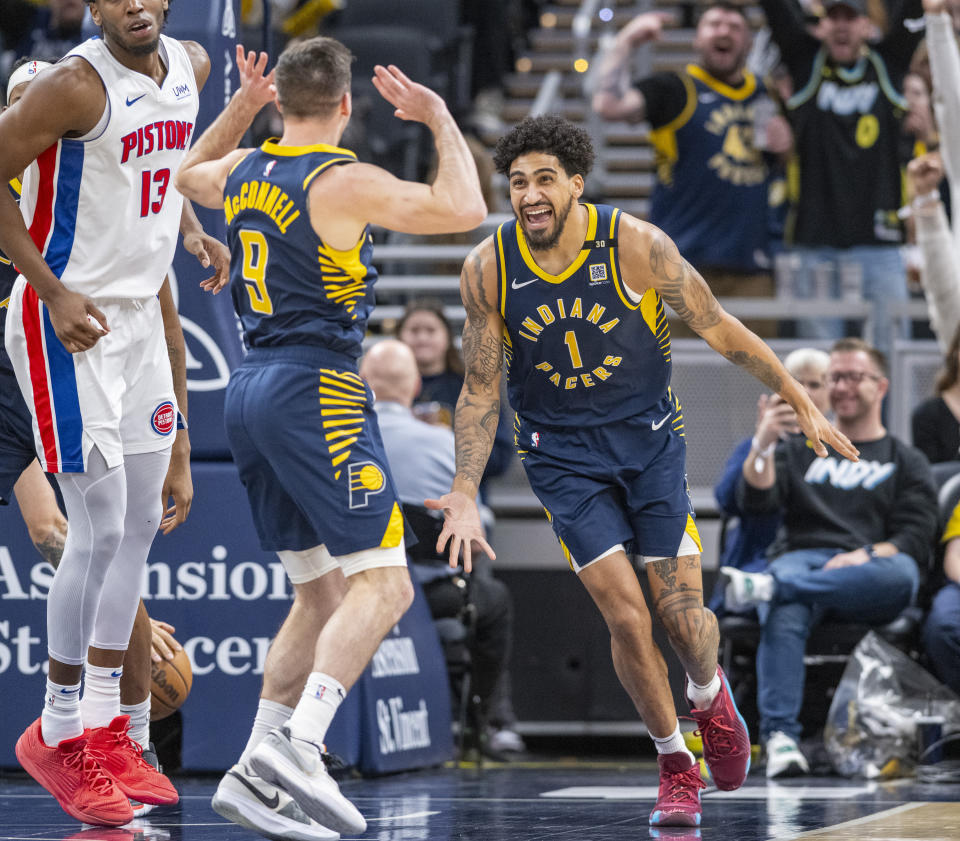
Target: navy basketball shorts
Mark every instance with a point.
(16, 435)
(621, 483)
(304, 436)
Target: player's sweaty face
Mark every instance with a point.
(541, 195)
(133, 25)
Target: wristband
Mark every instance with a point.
(919, 203)
(763, 452)
(871, 552)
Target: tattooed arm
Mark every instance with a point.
(614, 98)
(478, 409)
(681, 286)
(178, 483)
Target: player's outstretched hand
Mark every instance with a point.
(178, 485)
(412, 100)
(256, 88)
(163, 645)
(820, 431)
(210, 252)
(76, 320)
(461, 527)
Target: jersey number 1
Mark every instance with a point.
(254, 272)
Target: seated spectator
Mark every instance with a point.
(48, 32)
(936, 422)
(427, 330)
(941, 632)
(852, 538)
(422, 463)
(747, 542)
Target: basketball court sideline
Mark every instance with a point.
(528, 801)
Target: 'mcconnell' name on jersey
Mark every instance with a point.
(581, 347)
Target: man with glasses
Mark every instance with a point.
(852, 536)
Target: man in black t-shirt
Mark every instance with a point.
(852, 537)
(846, 113)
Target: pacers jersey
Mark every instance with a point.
(581, 348)
(712, 187)
(288, 286)
(8, 274)
(102, 208)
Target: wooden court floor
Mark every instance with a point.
(568, 800)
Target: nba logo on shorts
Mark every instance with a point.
(366, 480)
(164, 418)
(535, 439)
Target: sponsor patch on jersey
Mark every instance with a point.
(598, 272)
(181, 91)
(164, 418)
(366, 480)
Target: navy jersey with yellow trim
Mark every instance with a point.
(712, 187)
(288, 286)
(8, 274)
(581, 349)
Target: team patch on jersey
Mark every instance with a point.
(164, 418)
(598, 272)
(366, 480)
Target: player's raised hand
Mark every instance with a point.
(925, 173)
(412, 100)
(461, 527)
(256, 86)
(76, 320)
(210, 252)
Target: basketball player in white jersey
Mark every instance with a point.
(107, 127)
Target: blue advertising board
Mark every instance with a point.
(226, 597)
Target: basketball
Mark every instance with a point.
(170, 682)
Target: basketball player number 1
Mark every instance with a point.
(147, 179)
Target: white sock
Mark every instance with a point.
(270, 715)
(318, 704)
(60, 718)
(100, 703)
(702, 696)
(139, 721)
(673, 743)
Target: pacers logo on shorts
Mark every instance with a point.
(164, 418)
(366, 480)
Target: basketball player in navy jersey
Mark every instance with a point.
(99, 135)
(573, 294)
(300, 420)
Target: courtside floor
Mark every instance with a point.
(541, 801)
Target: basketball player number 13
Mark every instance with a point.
(160, 178)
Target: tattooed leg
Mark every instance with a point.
(614, 588)
(677, 588)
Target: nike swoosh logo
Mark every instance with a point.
(516, 285)
(135, 99)
(655, 425)
(269, 802)
(116, 674)
(68, 691)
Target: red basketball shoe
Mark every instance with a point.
(678, 801)
(74, 778)
(726, 742)
(122, 758)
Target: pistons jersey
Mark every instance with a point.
(582, 349)
(289, 287)
(102, 208)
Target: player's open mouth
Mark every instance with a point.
(140, 27)
(538, 217)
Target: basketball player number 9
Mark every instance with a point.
(255, 270)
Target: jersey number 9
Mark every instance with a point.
(255, 253)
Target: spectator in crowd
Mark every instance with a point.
(941, 631)
(939, 245)
(747, 542)
(49, 32)
(426, 329)
(846, 116)
(851, 541)
(712, 124)
(422, 461)
(936, 421)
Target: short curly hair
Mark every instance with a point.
(550, 134)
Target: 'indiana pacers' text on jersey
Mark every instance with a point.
(278, 263)
(581, 348)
